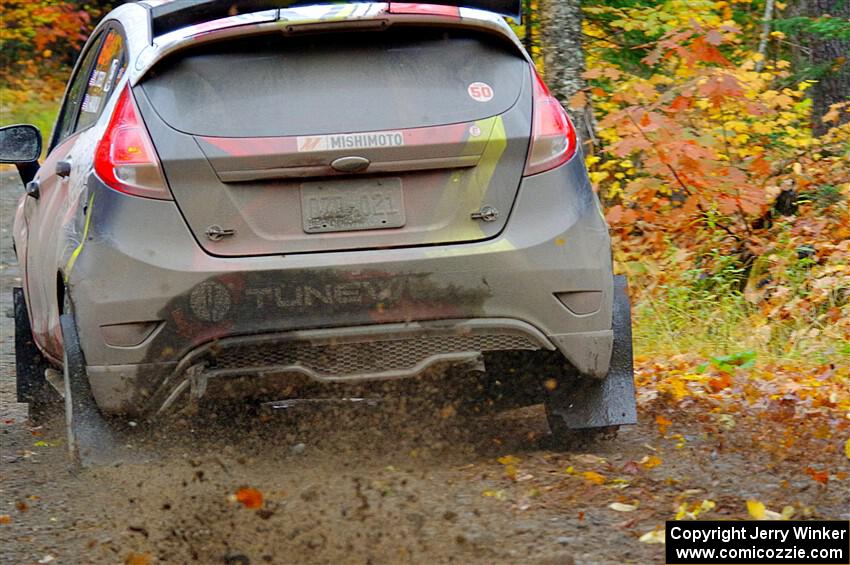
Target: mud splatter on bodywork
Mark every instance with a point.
(257, 302)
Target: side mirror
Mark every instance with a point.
(20, 144)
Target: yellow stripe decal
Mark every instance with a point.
(79, 249)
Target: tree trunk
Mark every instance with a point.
(834, 85)
(765, 33)
(563, 59)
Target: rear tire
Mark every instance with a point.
(30, 385)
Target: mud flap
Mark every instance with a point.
(29, 362)
(91, 440)
(596, 403)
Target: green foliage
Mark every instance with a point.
(825, 26)
(729, 363)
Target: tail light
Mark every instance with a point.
(553, 137)
(125, 158)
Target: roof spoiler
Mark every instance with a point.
(169, 16)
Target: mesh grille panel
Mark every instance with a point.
(369, 357)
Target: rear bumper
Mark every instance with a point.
(141, 264)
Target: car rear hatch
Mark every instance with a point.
(274, 145)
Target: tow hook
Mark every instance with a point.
(486, 213)
(216, 233)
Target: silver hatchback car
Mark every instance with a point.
(332, 193)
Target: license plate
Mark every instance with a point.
(348, 205)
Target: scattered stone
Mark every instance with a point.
(310, 494)
(417, 520)
(265, 513)
(236, 559)
(138, 530)
(560, 559)
(483, 539)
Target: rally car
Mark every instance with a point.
(337, 193)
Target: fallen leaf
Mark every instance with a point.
(655, 536)
(721, 382)
(138, 559)
(594, 477)
(497, 494)
(695, 510)
(820, 476)
(756, 509)
(631, 467)
(662, 423)
(650, 461)
(620, 507)
(249, 497)
(847, 448)
(5, 519)
(589, 459)
(508, 460)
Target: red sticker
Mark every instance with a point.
(480, 91)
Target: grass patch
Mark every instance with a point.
(17, 107)
(678, 320)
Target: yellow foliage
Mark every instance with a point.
(756, 509)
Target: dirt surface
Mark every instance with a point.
(411, 480)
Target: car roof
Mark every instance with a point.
(147, 46)
(170, 15)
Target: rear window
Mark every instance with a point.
(282, 86)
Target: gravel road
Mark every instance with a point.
(409, 481)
